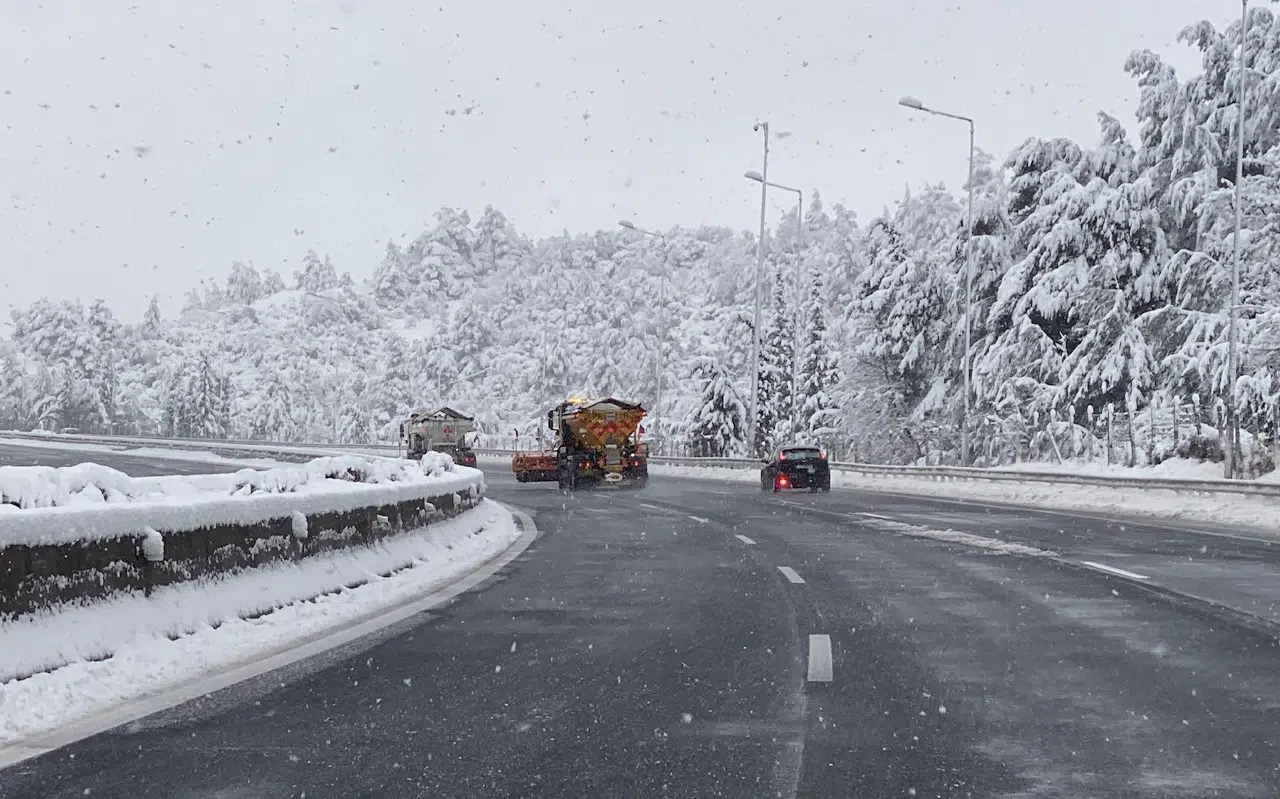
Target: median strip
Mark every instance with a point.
(790, 574)
(821, 667)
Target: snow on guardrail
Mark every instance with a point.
(87, 502)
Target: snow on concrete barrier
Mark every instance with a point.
(85, 532)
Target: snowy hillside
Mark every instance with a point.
(1101, 286)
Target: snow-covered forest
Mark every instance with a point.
(1102, 283)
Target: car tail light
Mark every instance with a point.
(822, 454)
(782, 456)
(783, 482)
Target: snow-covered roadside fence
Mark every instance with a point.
(277, 449)
(964, 473)
(64, 538)
(937, 473)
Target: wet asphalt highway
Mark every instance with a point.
(706, 639)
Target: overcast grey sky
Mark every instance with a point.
(145, 145)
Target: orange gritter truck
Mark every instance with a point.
(597, 443)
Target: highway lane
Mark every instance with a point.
(673, 642)
(1237, 569)
(12, 454)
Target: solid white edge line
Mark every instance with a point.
(791, 574)
(1114, 570)
(745, 540)
(821, 667)
(145, 706)
(700, 519)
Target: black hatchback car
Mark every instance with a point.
(796, 467)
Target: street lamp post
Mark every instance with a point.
(662, 305)
(800, 282)
(1233, 469)
(916, 105)
(755, 330)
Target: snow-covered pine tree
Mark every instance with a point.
(776, 407)
(355, 421)
(818, 417)
(1125, 252)
(193, 301)
(316, 275)
(204, 399)
(990, 262)
(75, 405)
(226, 401)
(717, 426)
(244, 284)
(273, 417)
(1032, 322)
(899, 306)
(497, 247)
(152, 320)
(102, 364)
(272, 283)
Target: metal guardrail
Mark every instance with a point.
(936, 473)
(968, 473)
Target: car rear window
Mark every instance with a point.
(802, 454)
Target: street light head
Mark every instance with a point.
(911, 102)
(751, 174)
(626, 223)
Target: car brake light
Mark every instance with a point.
(783, 481)
(782, 456)
(822, 454)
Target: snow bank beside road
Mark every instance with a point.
(1171, 469)
(209, 625)
(1257, 513)
(47, 505)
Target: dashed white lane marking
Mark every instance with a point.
(790, 574)
(745, 540)
(877, 516)
(821, 668)
(1114, 570)
(700, 519)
